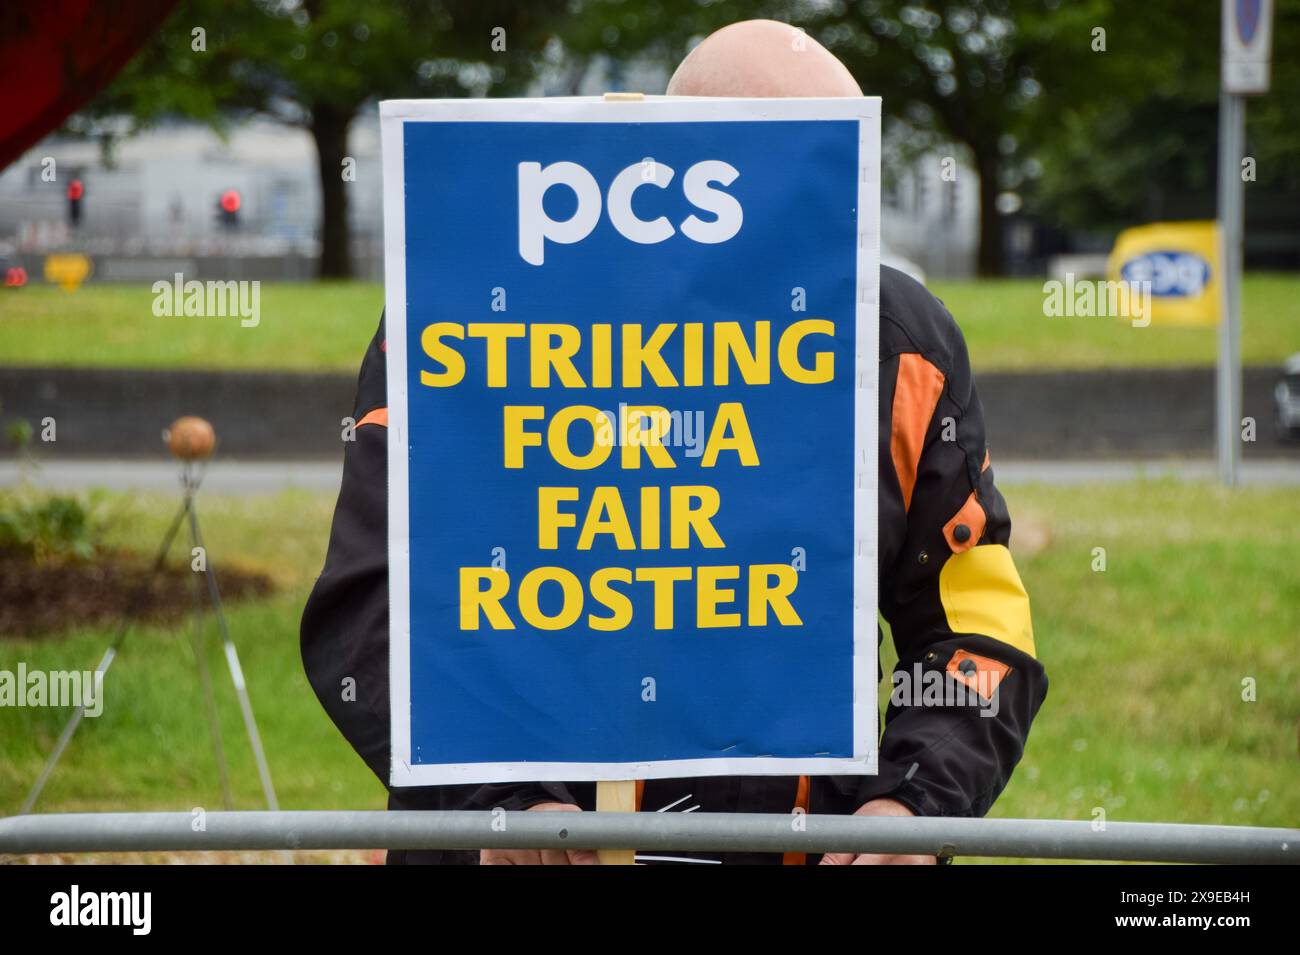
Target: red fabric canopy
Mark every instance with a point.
(56, 54)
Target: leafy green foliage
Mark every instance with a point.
(1092, 134)
(57, 526)
(1134, 134)
(314, 64)
(288, 59)
(1100, 113)
(19, 433)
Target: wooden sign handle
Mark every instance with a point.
(616, 797)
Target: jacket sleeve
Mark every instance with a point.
(967, 685)
(344, 633)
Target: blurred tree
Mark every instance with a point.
(314, 63)
(1095, 111)
(967, 71)
(984, 74)
(1141, 143)
(1100, 113)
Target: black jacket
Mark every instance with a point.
(948, 589)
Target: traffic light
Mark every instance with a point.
(228, 206)
(76, 191)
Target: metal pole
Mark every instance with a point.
(201, 663)
(762, 832)
(105, 662)
(232, 663)
(1232, 136)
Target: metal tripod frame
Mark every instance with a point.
(191, 478)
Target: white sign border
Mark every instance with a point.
(866, 110)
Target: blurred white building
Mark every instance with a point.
(151, 206)
(156, 196)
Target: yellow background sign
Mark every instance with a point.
(68, 269)
(1181, 262)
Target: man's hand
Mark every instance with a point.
(541, 856)
(878, 807)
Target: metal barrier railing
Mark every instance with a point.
(751, 832)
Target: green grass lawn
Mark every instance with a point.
(1145, 717)
(325, 327)
(322, 326)
(151, 747)
(1006, 330)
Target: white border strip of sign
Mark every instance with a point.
(662, 109)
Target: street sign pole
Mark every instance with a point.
(1232, 134)
(1245, 40)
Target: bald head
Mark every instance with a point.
(761, 58)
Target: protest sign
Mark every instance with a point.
(632, 373)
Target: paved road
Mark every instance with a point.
(1282, 472)
(223, 477)
(264, 477)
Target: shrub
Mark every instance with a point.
(57, 526)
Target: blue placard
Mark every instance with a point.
(632, 382)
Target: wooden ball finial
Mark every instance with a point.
(191, 438)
